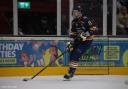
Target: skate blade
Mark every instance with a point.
(67, 79)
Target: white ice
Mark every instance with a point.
(56, 82)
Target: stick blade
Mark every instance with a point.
(27, 79)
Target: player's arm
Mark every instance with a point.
(73, 32)
(92, 31)
(89, 34)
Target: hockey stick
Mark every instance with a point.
(26, 79)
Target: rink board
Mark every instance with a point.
(108, 55)
(29, 71)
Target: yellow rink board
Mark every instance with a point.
(29, 71)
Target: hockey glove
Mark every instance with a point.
(83, 36)
(69, 46)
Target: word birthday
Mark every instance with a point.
(8, 50)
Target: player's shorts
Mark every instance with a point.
(79, 50)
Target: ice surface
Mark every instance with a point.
(57, 82)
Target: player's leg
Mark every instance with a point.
(73, 62)
(72, 69)
(74, 58)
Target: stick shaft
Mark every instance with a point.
(48, 65)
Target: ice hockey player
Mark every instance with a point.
(82, 33)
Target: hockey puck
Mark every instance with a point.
(25, 79)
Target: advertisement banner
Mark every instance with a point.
(106, 52)
(39, 52)
(31, 52)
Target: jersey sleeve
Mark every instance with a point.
(90, 27)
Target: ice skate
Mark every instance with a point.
(68, 76)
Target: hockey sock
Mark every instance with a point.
(70, 73)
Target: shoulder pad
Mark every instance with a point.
(85, 18)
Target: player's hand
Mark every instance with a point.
(83, 36)
(69, 46)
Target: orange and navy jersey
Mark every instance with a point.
(82, 24)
